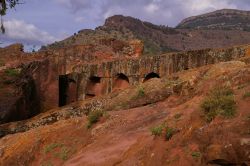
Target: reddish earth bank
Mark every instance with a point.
(124, 137)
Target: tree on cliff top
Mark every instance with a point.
(4, 6)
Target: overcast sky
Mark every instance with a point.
(39, 22)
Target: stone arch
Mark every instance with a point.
(121, 81)
(150, 76)
(94, 87)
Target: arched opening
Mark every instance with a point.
(121, 82)
(94, 87)
(150, 76)
(67, 90)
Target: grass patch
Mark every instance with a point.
(12, 72)
(246, 95)
(220, 101)
(94, 116)
(63, 154)
(169, 133)
(50, 147)
(160, 129)
(157, 130)
(141, 91)
(196, 154)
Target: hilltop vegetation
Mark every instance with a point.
(226, 19)
(218, 29)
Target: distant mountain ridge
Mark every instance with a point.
(227, 19)
(222, 28)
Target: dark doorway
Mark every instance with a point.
(94, 87)
(150, 76)
(121, 82)
(67, 90)
(63, 88)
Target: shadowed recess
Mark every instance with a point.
(121, 82)
(150, 76)
(94, 87)
(67, 90)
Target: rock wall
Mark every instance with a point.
(136, 70)
(59, 77)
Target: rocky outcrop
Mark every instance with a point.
(225, 19)
(124, 135)
(223, 28)
(153, 91)
(65, 75)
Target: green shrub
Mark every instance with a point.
(94, 116)
(157, 131)
(162, 128)
(141, 91)
(219, 101)
(169, 133)
(246, 95)
(50, 147)
(196, 154)
(12, 72)
(63, 154)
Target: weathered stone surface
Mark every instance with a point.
(245, 142)
(148, 93)
(218, 154)
(78, 66)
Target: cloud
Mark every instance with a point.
(164, 11)
(79, 19)
(75, 5)
(151, 8)
(19, 31)
(61, 18)
(156, 11)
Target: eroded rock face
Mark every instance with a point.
(124, 135)
(78, 64)
(137, 47)
(20, 98)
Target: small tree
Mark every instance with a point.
(4, 6)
